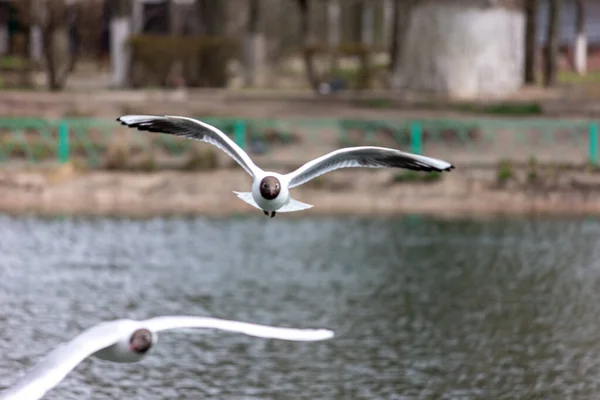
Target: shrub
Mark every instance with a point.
(117, 155)
(360, 78)
(532, 171)
(413, 176)
(203, 59)
(202, 158)
(505, 172)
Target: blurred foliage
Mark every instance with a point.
(414, 176)
(505, 108)
(203, 59)
(201, 158)
(505, 172)
(360, 78)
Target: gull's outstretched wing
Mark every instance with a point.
(192, 129)
(52, 369)
(367, 157)
(182, 322)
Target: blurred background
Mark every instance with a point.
(474, 284)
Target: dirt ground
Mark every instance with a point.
(467, 192)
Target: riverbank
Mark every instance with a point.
(464, 192)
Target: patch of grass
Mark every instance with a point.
(414, 176)
(12, 62)
(505, 172)
(377, 103)
(574, 77)
(502, 108)
(517, 109)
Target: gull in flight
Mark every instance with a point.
(271, 190)
(128, 341)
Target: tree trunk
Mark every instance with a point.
(333, 31)
(366, 28)
(254, 47)
(311, 74)
(531, 11)
(552, 43)
(394, 35)
(48, 49)
(580, 60)
(212, 16)
(388, 15)
(36, 44)
(120, 58)
(402, 17)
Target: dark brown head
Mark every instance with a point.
(270, 187)
(141, 341)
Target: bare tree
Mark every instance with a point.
(552, 43)
(580, 60)
(531, 11)
(61, 23)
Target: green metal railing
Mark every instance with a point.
(469, 140)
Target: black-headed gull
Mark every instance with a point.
(128, 341)
(270, 190)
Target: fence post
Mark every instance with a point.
(240, 133)
(63, 141)
(593, 143)
(416, 143)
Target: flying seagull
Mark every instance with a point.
(271, 190)
(128, 341)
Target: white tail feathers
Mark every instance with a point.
(247, 197)
(291, 206)
(294, 205)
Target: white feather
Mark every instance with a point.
(51, 370)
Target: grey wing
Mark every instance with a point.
(366, 157)
(52, 369)
(192, 129)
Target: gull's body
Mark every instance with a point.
(128, 341)
(271, 190)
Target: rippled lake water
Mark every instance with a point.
(423, 309)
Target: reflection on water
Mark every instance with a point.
(423, 309)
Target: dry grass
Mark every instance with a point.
(201, 158)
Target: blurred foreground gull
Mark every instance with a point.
(270, 190)
(128, 341)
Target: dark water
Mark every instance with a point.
(423, 309)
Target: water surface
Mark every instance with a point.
(423, 309)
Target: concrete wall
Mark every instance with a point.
(463, 51)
